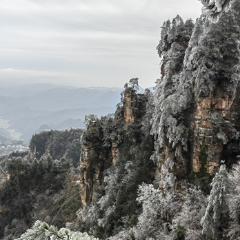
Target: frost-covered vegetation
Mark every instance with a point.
(214, 8)
(190, 215)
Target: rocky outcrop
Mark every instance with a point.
(133, 105)
(193, 116)
(96, 155)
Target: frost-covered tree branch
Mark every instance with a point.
(42, 230)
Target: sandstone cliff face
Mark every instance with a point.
(133, 105)
(214, 127)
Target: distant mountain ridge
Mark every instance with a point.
(30, 108)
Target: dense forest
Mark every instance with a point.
(163, 166)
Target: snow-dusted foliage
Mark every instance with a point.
(174, 99)
(154, 221)
(42, 230)
(214, 8)
(133, 83)
(215, 55)
(234, 203)
(168, 177)
(92, 217)
(90, 119)
(150, 218)
(212, 53)
(194, 41)
(192, 210)
(215, 216)
(111, 132)
(171, 31)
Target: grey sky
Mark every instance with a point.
(85, 42)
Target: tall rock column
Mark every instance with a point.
(172, 99)
(215, 119)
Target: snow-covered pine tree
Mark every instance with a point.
(216, 214)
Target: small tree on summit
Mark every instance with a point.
(90, 118)
(133, 83)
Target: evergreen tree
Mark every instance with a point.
(214, 220)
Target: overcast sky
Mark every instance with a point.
(85, 42)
